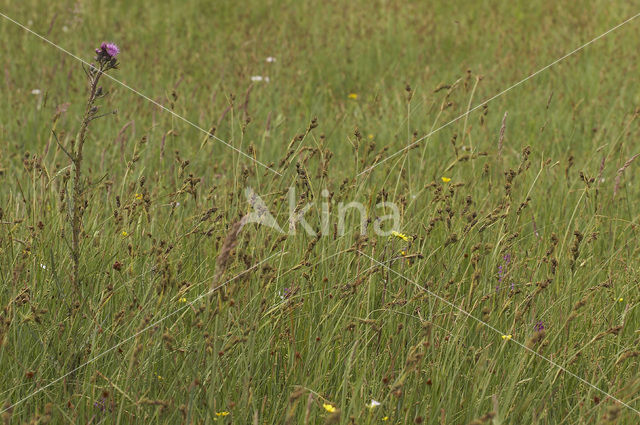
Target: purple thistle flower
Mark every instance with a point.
(112, 49)
(106, 56)
(109, 49)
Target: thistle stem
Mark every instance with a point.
(94, 75)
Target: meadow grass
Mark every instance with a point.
(180, 315)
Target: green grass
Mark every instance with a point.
(162, 199)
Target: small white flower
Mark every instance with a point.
(270, 59)
(43, 266)
(29, 22)
(260, 78)
(373, 404)
(36, 91)
(65, 29)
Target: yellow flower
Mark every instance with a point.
(401, 236)
(159, 377)
(370, 136)
(225, 413)
(183, 300)
(124, 233)
(621, 299)
(139, 196)
(404, 254)
(507, 337)
(353, 96)
(329, 408)
(446, 179)
(386, 418)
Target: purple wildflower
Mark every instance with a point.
(108, 49)
(106, 56)
(539, 326)
(111, 49)
(285, 293)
